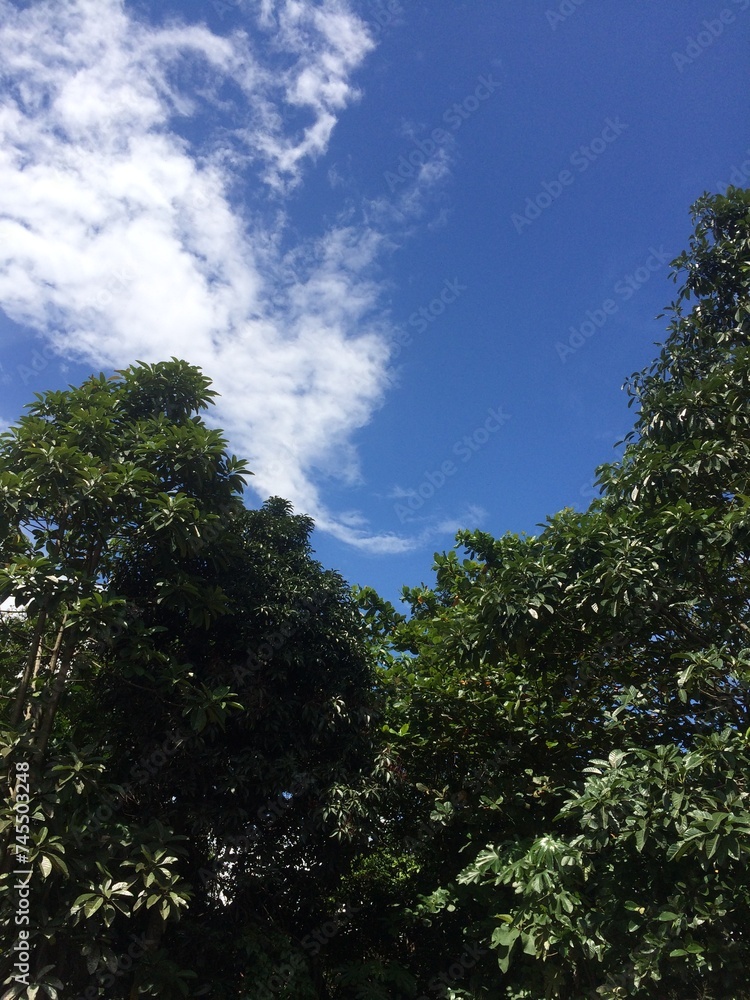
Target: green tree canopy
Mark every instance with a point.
(533, 785)
(186, 686)
(569, 712)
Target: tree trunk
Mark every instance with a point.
(31, 669)
(62, 654)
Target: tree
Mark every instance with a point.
(569, 712)
(93, 478)
(284, 717)
(192, 684)
(541, 791)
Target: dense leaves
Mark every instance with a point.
(568, 713)
(535, 784)
(184, 686)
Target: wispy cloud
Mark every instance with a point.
(433, 525)
(123, 235)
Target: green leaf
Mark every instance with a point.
(92, 905)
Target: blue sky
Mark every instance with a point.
(417, 245)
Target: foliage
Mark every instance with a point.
(117, 471)
(184, 683)
(569, 713)
(267, 785)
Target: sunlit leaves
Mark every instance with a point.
(582, 695)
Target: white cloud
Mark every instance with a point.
(118, 240)
(399, 493)
(122, 238)
(469, 519)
